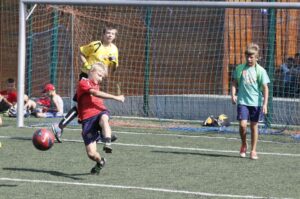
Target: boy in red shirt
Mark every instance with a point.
(93, 114)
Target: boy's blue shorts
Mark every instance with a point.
(91, 129)
(251, 113)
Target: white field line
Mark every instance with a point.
(175, 135)
(180, 135)
(191, 136)
(194, 136)
(175, 147)
(133, 187)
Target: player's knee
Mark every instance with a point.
(243, 124)
(243, 129)
(104, 120)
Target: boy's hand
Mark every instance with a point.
(120, 98)
(234, 99)
(265, 109)
(113, 63)
(45, 109)
(112, 59)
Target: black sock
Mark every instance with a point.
(108, 140)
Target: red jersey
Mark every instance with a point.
(44, 101)
(88, 105)
(10, 96)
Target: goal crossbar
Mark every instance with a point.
(204, 4)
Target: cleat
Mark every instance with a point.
(113, 138)
(253, 155)
(97, 168)
(107, 145)
(107, 148)
(57, 132)
(243, 151)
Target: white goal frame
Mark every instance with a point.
(204, 4)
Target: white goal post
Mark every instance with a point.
(23, 15)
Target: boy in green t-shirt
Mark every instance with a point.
(251, 81)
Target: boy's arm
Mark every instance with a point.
(233, 91)
(83, 59)
(5, 100)
(266, 98)
(57, 108)
(104, 95)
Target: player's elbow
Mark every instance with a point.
(94, 92)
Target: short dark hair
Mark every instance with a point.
(10, 80)
(109, 28)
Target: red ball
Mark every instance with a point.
(43, 139)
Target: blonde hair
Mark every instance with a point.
(252, 49)
(99, 66)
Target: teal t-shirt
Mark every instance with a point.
(249, 92)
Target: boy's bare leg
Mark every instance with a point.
(243, 131)
(243, 135)
(106, 131)
(93, 154)
(254, 138)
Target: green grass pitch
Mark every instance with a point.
(147, 164)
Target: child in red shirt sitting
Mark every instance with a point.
(8, 97)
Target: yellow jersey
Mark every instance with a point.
(95, 52)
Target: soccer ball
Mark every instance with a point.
(43, 139)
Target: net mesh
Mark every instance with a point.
(175, 62)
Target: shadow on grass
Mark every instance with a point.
(8, 185)
(21, 138)
(54, 173)
(5, 125)
(197, 153)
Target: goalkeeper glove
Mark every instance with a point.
(112, 59)
(113, 62)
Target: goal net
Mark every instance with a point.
(175, 62)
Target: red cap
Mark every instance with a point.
(48, 87)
